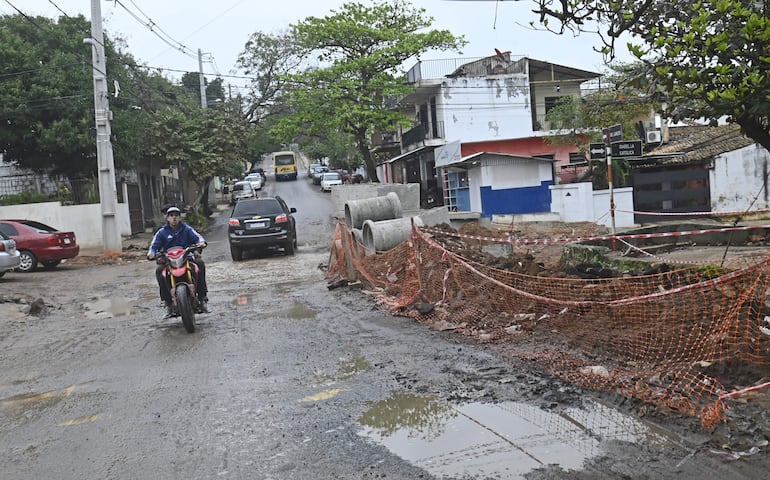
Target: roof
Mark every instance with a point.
(701, 145)
(407, 154)
(499, 157)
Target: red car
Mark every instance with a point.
(39, 243)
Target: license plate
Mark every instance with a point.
(256, 225)
(67, 241)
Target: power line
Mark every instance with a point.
(152, 26)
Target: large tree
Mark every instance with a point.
(361, 51)
(46, 96)
(205, 142)
(706, 59)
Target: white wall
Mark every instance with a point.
(500, 108)
(736, 180)
(577, 202)
(84, 220)
(504, 174)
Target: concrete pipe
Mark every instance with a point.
(375, 209)
(386, 234)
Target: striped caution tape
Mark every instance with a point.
(694, 214)
(552, 241)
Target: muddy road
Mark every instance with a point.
(286, 379)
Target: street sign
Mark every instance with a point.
(597, 151)
(627, 148)
(615, 133)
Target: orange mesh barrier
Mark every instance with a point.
(676, 339)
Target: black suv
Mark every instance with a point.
(261, 223)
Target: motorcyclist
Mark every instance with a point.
(176, 233)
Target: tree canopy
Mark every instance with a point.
(360, 52)
(709, 59)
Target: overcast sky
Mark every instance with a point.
(220, 28)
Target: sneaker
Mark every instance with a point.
(203, 307)
(169, 311)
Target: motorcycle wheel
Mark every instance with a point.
(184, 304)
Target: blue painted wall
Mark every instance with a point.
(516, 200)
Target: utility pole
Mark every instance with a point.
(106, 165)
(202, 79)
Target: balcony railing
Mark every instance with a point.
(422, 132)
(474, 66)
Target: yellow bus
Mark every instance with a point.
(285, 164)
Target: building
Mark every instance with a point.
(491, 105)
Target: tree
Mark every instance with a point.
(361, 50)
(580, 121)
(268, 58)
(708, 59)
(46, 96)
(204, 142)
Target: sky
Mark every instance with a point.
(221, 28)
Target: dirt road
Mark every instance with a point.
(286, 379)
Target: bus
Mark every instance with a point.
(285, 164)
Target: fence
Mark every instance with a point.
(665, 338)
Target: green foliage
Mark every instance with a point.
(205, 142)
(360, 52)
(198, 218)
(23, 198)
(706, 61)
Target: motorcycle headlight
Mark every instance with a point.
(177, 262)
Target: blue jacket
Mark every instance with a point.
(166, 237)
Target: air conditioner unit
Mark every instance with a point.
(653, 136)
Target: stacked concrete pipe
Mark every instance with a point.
(386, 234)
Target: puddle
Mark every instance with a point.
(109, 308)
(299, 310)
(349, 367)
(508, 439)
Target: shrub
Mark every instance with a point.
(23, 198)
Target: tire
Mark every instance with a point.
(184, 305)
(289, 247)
(236, 254)
(28, 261)
(48, 264)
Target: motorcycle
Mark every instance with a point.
(181, 278)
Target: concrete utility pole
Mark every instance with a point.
(202, 79)
(107, 190)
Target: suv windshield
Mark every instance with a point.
(265, 206)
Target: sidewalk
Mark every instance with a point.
(134, 246)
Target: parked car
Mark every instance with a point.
(261, 223)
(241, 190)
(10, 259)
(39, 243)
(329, 180)
(256, 179)
(318, 172)
(312, 167)
(261, 171)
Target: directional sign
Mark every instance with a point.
(597, 151)
(627, 148)
(615, 132)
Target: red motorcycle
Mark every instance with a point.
(181, 276)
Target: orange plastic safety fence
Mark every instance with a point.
(666, 338)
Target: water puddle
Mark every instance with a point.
(505, 440)
(109, 308)
(299, 310)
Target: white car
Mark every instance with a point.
(256, 180)
(330, 179)
(10, 257)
